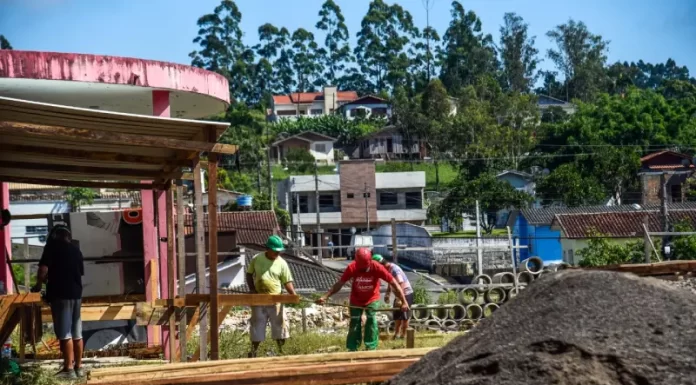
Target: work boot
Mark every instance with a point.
(66, 375)
(80, 372)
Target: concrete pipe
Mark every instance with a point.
(474, 312)
(533, 265)
(420, 313)
(468, 296)
(525, 278)
(433, 325)
(467, 324)
(488, 309)
(481, 279)
(450, 325)
(504, 278)
(391, 327)
(439, 313)
(512, 294)
(558, 267)
(457, 313)
(495, 295)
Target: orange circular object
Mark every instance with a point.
(133, 217)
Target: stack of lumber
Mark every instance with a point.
(317, 369)
(652, 269)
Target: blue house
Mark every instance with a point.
(533, 229)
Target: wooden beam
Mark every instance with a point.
(200, 257)
(98, 313)
(244, 299)
(30, 151)
(123, 173)
(110, 137)
(171, 282)
(221, 317)
(181, 255)
(213, 247)
(80, 183)
(113, 299)
(154, 287)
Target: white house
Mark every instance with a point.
(319, 145)
(369, 106)
(310, 104)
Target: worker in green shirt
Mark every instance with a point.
(268, 273)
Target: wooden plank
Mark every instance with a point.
(221, 317)
(109, 137)
(280, 361)
(192, 322)
(98, 313)
(200, 258)
(80, 183)
(346, 372)
(148, 315)
(171, 282)
(176, 302)
(244, 299)
(113, 299)
(30, 151)
(154, 287)
(213, 248)
(125, 173)
(181, 255)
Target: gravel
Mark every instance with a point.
(574, 328)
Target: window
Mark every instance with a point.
(286, 113)
(414, 200)
(36, 229)
(379, 111)
(303, 112)
(350, 195)
(353, 113)
(358, 112)
(676, 192)
(388, 199)
(304, 204)
(317, 111)
(326, 202)
(320, 147)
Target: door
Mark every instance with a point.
(390, 146)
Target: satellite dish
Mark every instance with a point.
(353, 230)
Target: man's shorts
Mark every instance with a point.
(403, 315)
(261, 316)
(67, 323)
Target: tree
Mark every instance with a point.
(518, 55)
(435, 107)
(468, 53)
(384, 35)
(567, 186)
(78, 196)
(299, 160)
(684, 246)
(306, 60)
(581, 56)
(338, 53)
(221, 49)
(492, 193)
(4, 43)
(602, 251)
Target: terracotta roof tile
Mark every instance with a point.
(617, 224)
(252, 227)
(309, 97)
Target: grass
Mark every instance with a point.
(448, 173)
(235, 344)
(470, 234)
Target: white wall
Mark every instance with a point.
(230, 273)
(311, 218)
(305, 183)
(368, 109)
(393, 180)
(327, 155)
(302, 107)
(411, 215)
(18, 227)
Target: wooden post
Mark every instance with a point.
(22, 332)
(181, 255)
(27, 266)
(304, 320)
(410, 338)
(170, 269)
(200, 258)
(646, 239)
(213, 247)
(395, 257)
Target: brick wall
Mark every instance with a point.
(356, 176)
(651, 189)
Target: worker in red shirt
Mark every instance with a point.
(364, 296)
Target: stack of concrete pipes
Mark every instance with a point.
(476, 302)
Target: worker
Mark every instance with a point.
(364, 296)
(400, 317)
(62, 267)
(268, 273)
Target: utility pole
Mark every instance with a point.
(299, 214)
(395, 257)
(291, 209)
(316, 202)
(258, 177)
(367, 212)
(665, 215)
(479, 251)
(270, 171)
(646, 239)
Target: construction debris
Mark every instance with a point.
(574, 327)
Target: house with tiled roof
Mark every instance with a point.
(319, 145)
(674, 167)
(369, 106)
(576, 229)
(309, 104)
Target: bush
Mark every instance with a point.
(420, 294)
(299, 160)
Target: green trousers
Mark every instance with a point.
(355, 337)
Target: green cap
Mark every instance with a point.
(377, 258)
(275, 243)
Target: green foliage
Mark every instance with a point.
(420, 293)
(568, 186)
(346, 132)
(336, 51)
(518, 55)
(299, 160)
(684, 246)
(604, 251)
(448, 297)
(78, 196)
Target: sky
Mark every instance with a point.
(650, 30)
